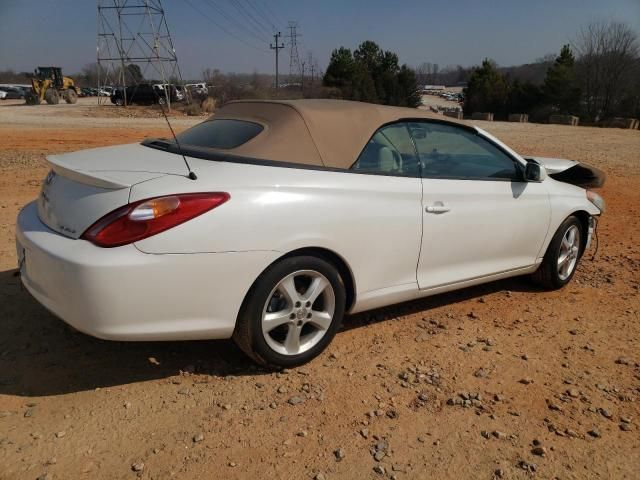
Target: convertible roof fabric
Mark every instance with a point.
(329, 133)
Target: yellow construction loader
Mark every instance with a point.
(48, 84)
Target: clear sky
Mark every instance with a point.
(447, 32)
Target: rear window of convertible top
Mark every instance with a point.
(221, 133)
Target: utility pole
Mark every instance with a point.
(277, 47)
(302, 65)
(313, 69)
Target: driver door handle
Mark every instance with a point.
(437, 208)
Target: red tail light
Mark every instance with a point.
(145, 218)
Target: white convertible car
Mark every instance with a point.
(270, 221)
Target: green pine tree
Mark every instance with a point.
(560, 87)
(372, 75)
(487, 90)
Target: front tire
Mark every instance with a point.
(563, 254)
(292, 312)
(51, 96)
(33, 99)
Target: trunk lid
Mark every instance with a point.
(84, 186)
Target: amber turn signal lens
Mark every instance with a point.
(154, 208)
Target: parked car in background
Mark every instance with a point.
(181, 92)
(299, 211)
(26, 90)
(198, 89)
(12, 93)
(143, 94)
(175, 94)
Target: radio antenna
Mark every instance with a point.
(192, 175)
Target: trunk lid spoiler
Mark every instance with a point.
(107, 180)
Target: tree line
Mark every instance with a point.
(597, 77)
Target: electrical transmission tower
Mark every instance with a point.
(294, 59)
(134, 44)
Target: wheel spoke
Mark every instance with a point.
(321, 320)
(317, 286)
(288, 289)
(273, 320)
(565, 244)
(564, 268)
(562, 259)
(292, 342)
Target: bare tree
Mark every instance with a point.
(607, 57)
(427, 73)
(92, 73)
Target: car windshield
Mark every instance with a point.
(221, 133)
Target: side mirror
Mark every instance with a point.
(534, 172)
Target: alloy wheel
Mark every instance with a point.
(569, 252)
(298, 312)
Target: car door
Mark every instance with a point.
(480, 217)
(384, 207)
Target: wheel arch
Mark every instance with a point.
(324, 253)
(583, 216)
(334, 259)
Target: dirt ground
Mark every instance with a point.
(496, 381)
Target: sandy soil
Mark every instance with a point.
(86, 113)
(552, 380)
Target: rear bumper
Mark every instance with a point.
(124, 294)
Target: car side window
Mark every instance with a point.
(452, 152)
(390, 151)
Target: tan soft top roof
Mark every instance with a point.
(329, 133)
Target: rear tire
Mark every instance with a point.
(51, 96)
(291, 313)
(563, 254)
(71, 96)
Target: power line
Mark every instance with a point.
(258, 17)
(257, 35)
(249, 17)
(231, 34)
(262, 13)
(278, 20)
